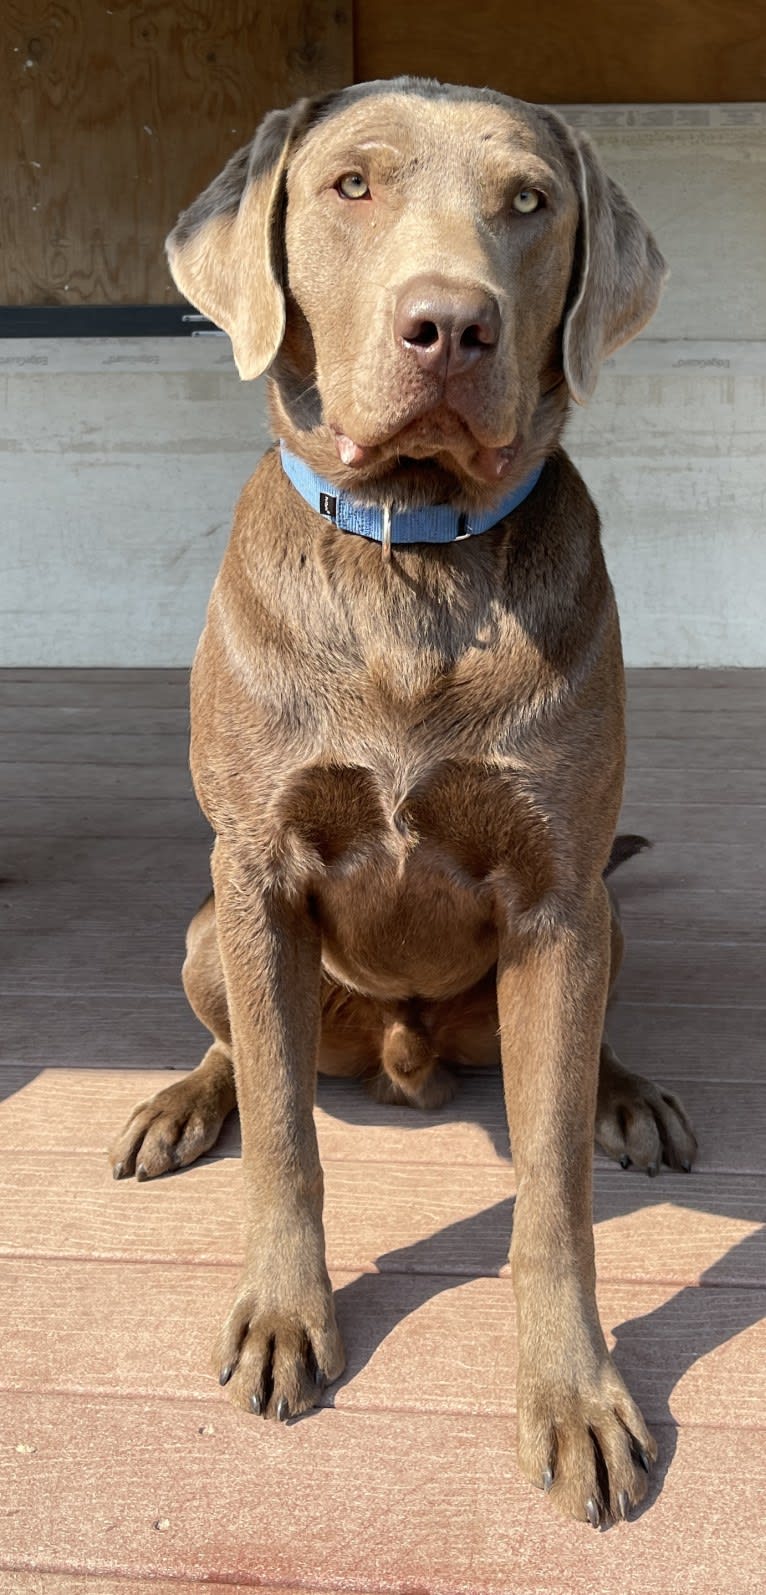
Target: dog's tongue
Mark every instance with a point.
(350, 453)
(495, 463)
(491, 464)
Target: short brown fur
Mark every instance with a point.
(414, 769)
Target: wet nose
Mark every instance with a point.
(446, 329)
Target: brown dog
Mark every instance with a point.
(413, 758)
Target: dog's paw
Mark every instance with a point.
(640, 1124)
(171, 1130)
(276, 1361)
(434, 1090)
(586, 1445)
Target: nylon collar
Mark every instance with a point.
(436, 523)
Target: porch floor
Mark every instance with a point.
(124, 1468)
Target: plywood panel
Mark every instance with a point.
(114, 117)
(644, 50)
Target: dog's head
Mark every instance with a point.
(428, 273)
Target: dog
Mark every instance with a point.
(408, 716)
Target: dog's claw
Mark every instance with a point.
(624, 1161)
(623, 1503)
(225, 1374)
(256, 1404)
(653, 1169)
(141, 1173)
(283, 1410)
(643, 1459)
(118, 1171)
(592, 1513)
(548, 1480)
(686, 1166)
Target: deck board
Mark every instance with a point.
(111, 1420)
(433, 1504)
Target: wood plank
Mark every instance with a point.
(82, 1111)
(419, 1219)
(661, 722)
(32, 1582)
(92, 717)
(693, 751)
(675, 722)
(682, 1041)
(140, 782)
(24, 778)
(582, 54)
(684, 820)
(674, 913)
(677, 677)
(714, 784)
(92, 747)
(693, 1355)
(108, 818)
(352, 1500)
(127, 814)
(657, 970)
(656, 909)
(103, 1030)
(170, 687)
(70, 689)
(97, 675)
(156, 861)
(705, 972)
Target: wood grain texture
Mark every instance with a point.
(73, 1111)
(31, 1582)
(113, 118)
(647, 50)
(56, 961)
(419, 1219)
(435, 1343)
(356, 1501)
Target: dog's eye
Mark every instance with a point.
(352, 186)
(526, 201)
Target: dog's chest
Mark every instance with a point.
(405, 873)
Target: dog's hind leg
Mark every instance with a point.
(181, 1122)
(637, 1122)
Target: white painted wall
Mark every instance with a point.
(120, 461)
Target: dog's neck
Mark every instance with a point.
(437, 523)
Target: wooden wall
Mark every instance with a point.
(570, 52)
(113, 115)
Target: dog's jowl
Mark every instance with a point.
(407, 715)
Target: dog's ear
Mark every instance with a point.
(225, 251)
(618, 274)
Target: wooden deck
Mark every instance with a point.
(125, 1469)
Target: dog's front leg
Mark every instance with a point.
(581, 1435)
(280, 1343)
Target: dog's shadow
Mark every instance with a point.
(653, 1351)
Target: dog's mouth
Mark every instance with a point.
(440, 438)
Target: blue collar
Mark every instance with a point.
(438, 523)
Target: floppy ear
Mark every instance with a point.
(619, 273)
(225, 250)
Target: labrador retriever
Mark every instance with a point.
(407, 715)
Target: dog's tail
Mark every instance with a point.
(623, 848)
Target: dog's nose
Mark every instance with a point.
(446, 330)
